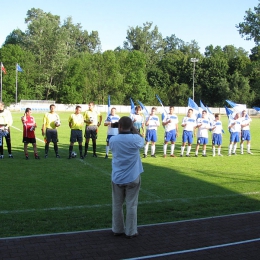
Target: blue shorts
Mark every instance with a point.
(202, 140)
(108, 138)
(170, 136)
(151, 136)
(234, 137)
(187, 136)
(245, 135)
(217, 139)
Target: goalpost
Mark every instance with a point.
(36, 105)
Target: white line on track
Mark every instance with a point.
(147, 225)
(3, 212)
(196, 249)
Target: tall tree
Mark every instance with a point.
(10, 55)
(147, 40)
(250, 28)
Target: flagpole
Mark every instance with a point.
(1, 83)
(16, 86)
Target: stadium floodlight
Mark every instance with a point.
(194, 60)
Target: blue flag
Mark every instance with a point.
(146, 113)
(228, 111)
(132, 111)
(209, 110)
(194, 106)
(231, 103)
(164, 113)
(257, 108)
(18, 68)
(202, 106)
(237, 108)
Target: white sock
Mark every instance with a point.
(219, 149)
(234, 148)
(146, 148)
(248, 147)
(164, 148)
(188, 149)
(242, 148)
(230, 148)
(107, 150)
(172, 148)
(214, 150)
(153, 149)
(182, 149)
(204, 152)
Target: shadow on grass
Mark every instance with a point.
(61, 195)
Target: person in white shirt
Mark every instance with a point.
(112, 124)
(126, 180)
(245, 133)
(203, 126)
(235, 131)
(152, 122)
(170, 122)
(138, 120)
(188, 124)
(217, 130)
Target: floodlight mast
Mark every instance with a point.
(194, 60)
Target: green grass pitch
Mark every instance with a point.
(60, 195)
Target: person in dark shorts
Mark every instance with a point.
(51, 121)
(76, 123)
(93, 120)
(29, 126)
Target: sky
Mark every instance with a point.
(205, 21)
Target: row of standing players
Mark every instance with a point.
(239, 128)
(126, 180)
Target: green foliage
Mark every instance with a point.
(250, 28)
(63, 62)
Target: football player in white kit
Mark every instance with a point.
(171, 131)
(203, 126)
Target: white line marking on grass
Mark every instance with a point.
(109, 174)
(94, 167)
(3, 212)
(149, 193)
(196, 249)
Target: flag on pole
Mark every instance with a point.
(146, 113)
(164, 113)
(209, 110)
(18, 68)
(231, 103)
(194, 106)
(108, 105)
(209, 113)
(228, 111)
(202, 106)
(3, 68)
(132, 111)
(257, 109)
(238, 108)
